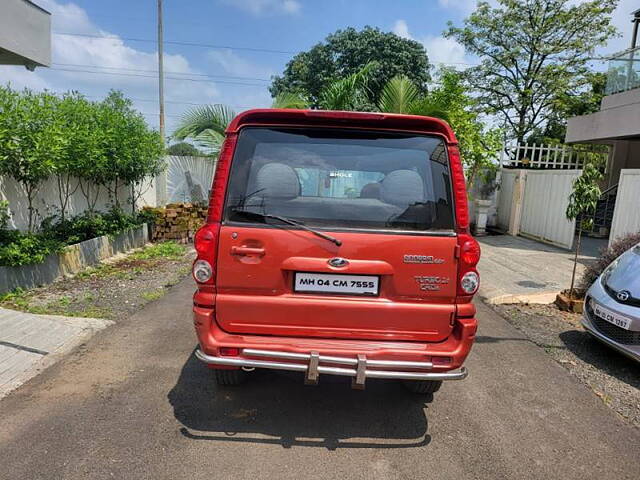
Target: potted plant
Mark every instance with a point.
(582, 205)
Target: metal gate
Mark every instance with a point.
(626, 215)
(546, 196)
(532, 203)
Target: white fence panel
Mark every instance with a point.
(47, 203)
(626, 216)
(540, 156)
(189, 179)
(505, 197)
(546, 197)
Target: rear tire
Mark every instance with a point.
(230, 377)
(423, 386)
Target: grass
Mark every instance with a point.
(169, 250)
(152, 295)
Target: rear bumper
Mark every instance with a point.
(358, 359)
(314, 366)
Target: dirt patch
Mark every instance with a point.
(114, 289)
(613, 377)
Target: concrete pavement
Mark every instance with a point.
(136, 404)
(516, 269)
(30, 343)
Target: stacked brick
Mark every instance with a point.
(178, 221)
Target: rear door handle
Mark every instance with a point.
(247, 251)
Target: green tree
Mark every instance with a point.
(345, 53)
(32, 140)
(479, 145)
(133, 152)
(570, 104)
(532, 53)
(582, 205)
(183, 149)
(82, 151)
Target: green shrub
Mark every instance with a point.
(607, 255)
(17, 248)
(4, 214)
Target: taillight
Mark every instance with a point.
(206, 245)
(459, 190)
(221, 178)
(468, 258)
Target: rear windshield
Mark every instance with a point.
(341, 179)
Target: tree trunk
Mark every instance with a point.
(575, 262)
(30, 189)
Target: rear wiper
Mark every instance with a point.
(288, 221)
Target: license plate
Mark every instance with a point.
(331, 283)
(611, 317)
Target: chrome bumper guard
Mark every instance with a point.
(312, 366)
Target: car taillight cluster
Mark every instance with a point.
(206, 245)
(206, 239)
(469, 256)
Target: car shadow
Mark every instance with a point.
(275, 407)
(602, 357)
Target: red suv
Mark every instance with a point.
(337, 243)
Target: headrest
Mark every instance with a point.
(371, 190)
(402, 187)
(277, 180)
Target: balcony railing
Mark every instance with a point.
(624, 71)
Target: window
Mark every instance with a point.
(341, 179)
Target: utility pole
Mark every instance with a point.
(161, 179)
(160, 70)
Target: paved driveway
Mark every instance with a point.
(515, 269)
(133, 403)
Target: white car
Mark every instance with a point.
(612, 305)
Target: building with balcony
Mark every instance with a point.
(617, 124)
(25, 34)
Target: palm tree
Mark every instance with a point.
(401, 95)
(205, 125)
(290, 100)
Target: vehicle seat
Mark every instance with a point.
(402, 188)
(277, 180)
(371, 190)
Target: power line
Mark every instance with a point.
(184, 44)
(185, 79)
(222, 47)
(156, 71)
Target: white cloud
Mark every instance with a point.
(466, 6)
(439, 49)
(259, 7)
(444, 51)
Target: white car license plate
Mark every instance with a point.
(611, 317)
(330, 283)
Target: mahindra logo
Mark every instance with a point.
(338, 262)
(623, 296)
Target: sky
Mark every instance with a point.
(225, 51)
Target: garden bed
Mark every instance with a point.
(614, 378)
(71, 259)
(113, 289)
